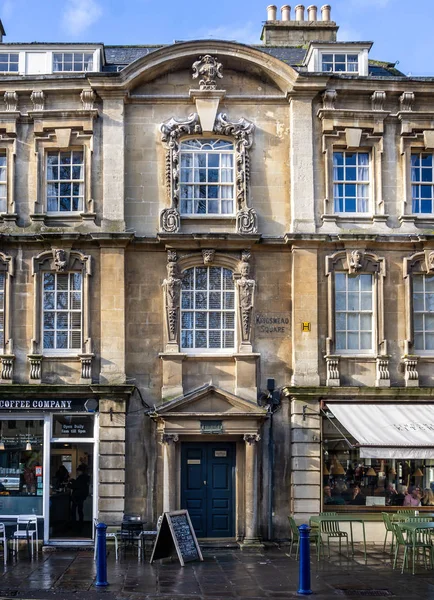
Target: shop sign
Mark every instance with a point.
(272, 324)
(50, 405)
(211, 426)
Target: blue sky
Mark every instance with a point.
(401, 29)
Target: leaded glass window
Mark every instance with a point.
(62, 311)
(207, 177)
(72, 61)
(423, 312)
(3, 182)
(422, 183)
(354, 312)
(208, 309)
(65, 181)
(351, 182)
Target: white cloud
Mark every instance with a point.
(246, 34)
(349, 34)
(80, 15)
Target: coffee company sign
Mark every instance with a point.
(51, 405)
(272, 324)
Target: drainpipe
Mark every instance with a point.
(272, 398)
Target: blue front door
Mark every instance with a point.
(207, 487)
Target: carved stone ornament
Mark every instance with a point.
(208, 69)
(35, 361)
(7, 363)
(11, 101)
(246, 294)
(406, 101)
(355, 261)
(170, 438)
(172, 289)
(242, 133)
(329, 99)
(430, 262)
(170, 220)
(378, 99)
(88, 99)
(251, 438)
(247, 221)
(38, 99)
(208, 256)
(60, 258)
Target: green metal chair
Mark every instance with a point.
(389, 528)
(331, 530)
(423, 542)
(295, 536)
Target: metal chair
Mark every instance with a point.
(131, 533)
(295, 536)
(113, 535)
(423, 542)
(150, 534)
(331, 530)
(389, 528)
(4, 541)
(27, 529)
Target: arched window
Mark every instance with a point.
(208, 309)
(207, 177)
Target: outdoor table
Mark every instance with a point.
(401, 517)
(10, 528)
(340, 519)
(411, 529)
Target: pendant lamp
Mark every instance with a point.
(371, 473)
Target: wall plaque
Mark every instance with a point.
(272, 324)
(211, 426)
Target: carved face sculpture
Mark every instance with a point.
(356, 259)
(431, 261)
(245, 269)
(172, 270)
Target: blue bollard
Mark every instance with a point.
(304, 577)
(101, 555)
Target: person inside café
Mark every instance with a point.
(413, 498)
(329, 499)
(428, 497)
(357, 497)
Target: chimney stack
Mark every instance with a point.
(299, 12)
(271, 12)
(326, 10)
(286, 12)
(312, 13)
(298, 32)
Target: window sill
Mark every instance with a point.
(358, 356)
(353, 218)
(58, 356)
(55, 218)
(427, 218)
(208, 217)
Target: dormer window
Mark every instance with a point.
(340, 63)
(9, 62)
(66, 62)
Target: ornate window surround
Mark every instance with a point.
(418, 263)
(8, 136)
(61, 260)
(357, 261)
(339, 133)
(244, 297)
(7, 356)
(241, 132)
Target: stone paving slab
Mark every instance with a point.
(224, 575)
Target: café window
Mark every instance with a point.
(353, 483)
(21, 466)
(73, 426)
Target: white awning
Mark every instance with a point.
(389, 430)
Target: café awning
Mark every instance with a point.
(389, 430)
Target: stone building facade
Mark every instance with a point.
(183, 224)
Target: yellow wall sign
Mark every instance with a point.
(305, 326)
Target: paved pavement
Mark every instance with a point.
(224, 575)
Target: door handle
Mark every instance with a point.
(204, 483)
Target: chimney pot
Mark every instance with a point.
(271, 12)
(299, 12)
(312, 13)
(325, 10)
(286, 12)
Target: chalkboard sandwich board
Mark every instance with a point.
(176, 533)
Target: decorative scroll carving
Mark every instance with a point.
(170, 220)
(38, 99)
(406, 101)
(86, 366)
(251, 438)
(246, 293)
(7, 363)
(11, 101)
(88, 98)
(329, 99)
(430, 262)
(208, 256)
(60, 258)
(247, 221)
(383, 376)
(208, 68)
(172, 288)
(170, 438)
(378, 99)
(355, 261)
(411, 374)
(35, 361)
(333, 375)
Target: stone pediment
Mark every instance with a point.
(210, 401)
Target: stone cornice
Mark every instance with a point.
(41, 390)
(355, 394)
